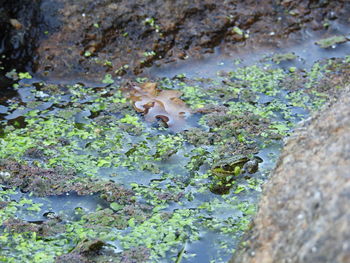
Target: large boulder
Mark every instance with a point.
(304, 213)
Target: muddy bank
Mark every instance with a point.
(119, 37)
(304, 211)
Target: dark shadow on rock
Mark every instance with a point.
(304, 212)
(23, 24)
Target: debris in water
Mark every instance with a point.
(156, 104)
(16, 24)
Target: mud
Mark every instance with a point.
(45, 229)
(120, 37)
(47, 182)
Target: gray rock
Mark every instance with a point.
(304, 213)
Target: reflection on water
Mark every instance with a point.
(62, 206)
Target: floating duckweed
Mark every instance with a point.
(92, 140)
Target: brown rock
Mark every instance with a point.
(304, 213)
(140, 33)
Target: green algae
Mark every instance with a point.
(25, 246)
(92, 135)
(278, 58)
(331, 41)
(162, 232)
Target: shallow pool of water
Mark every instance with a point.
(104, 151)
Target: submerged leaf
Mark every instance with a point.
(164, 105)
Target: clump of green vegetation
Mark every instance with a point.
(331, 41)
(150, 21)
(278, 58)
(108, 79)
(162, 233)
(18, 76)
